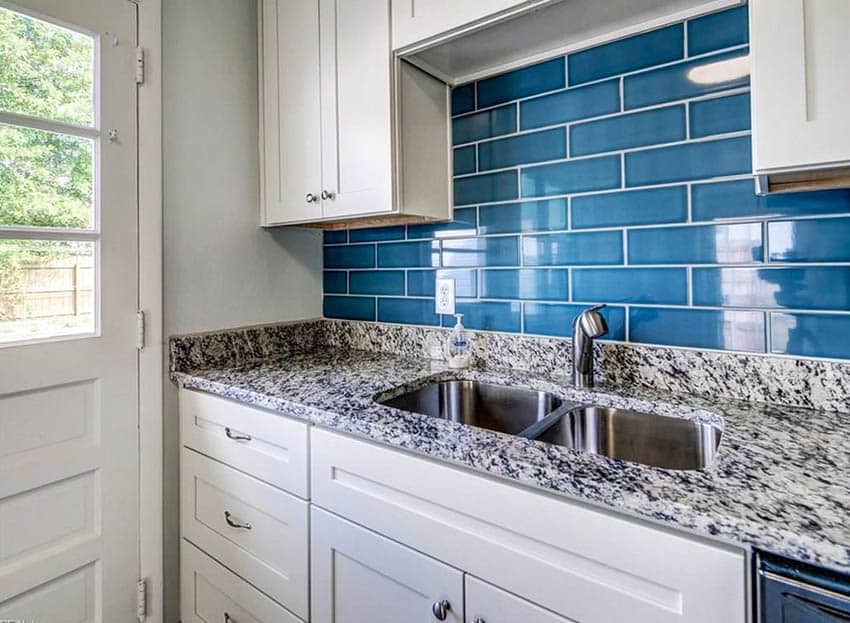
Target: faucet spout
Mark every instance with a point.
(587, 326)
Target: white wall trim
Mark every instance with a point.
(151, 358)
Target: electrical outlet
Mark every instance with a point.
(445, 296)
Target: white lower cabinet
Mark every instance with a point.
(358, 576)
(487, 604)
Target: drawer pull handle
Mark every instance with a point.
(233, 523)
(236, 436)
(440, 609)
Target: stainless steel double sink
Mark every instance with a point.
(656, 440)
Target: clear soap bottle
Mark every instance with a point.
(458, 348)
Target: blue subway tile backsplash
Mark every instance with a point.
(615, 175)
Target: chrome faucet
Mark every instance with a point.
(588, 325)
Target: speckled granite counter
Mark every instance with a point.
(781, 481)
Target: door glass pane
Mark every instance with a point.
(45, 70)
(46, 179)
(46, 289)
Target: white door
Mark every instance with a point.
(69, 509)
(487, 604)
(358, 576)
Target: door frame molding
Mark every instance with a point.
(152, 357)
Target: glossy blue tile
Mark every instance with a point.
(810, 335)
(699, 328)
(408, 254)
(816, 240)
(500, 251)
(544, 284)
(486, 188)
(408, 311)
(557, 320)
(463, 99)
(539, 78)
(376, 282)
(718, 30)
(652, 127)
(720, 115)
(565, 106)
(814, 287)
(667, 84)
(463, 160)
(359, 256)
(572, 176)
(423, 282)
(582, 249)
(373, 234)
(737, 199)
(349, 307)
(523, 216)
(335, 236)
(463, 224)
(664, 286)
(740, 243)
(488, 316)
(689, 161)
(632, 207)
(522, 149)
(334, 282)
(645, 50)
(484, 124)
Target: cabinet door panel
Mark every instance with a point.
(487, 604)
(290, 130)
(357, 154)
(800, 91)
(359, 576)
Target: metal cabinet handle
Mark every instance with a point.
(228, 618)
(233, 523)
(440, 609)
(236, 436)
(479, 620)
(311, 198)
(327, 195)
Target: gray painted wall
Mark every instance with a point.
(221, 269)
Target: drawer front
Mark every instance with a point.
(489, 604)
(597, 567)
(268, 446)
(254, 529)
(212, 594)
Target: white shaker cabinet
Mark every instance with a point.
(487, 604)
(800, 89)
(335, 109)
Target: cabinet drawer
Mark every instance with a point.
(489, 604)
(585, 564)
(266, 445)
(212, 594)
(254, 529)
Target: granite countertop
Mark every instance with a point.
(781, 480)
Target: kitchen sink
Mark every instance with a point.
(656, 440)
(496, 407)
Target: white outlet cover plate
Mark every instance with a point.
(445, 296)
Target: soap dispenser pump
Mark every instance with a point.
(458, 348)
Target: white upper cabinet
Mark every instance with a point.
(334, 112)
(800, 85)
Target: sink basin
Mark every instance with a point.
(656, 440)
(496, 407)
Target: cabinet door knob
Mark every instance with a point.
(236, 436)
(479, 620)
(440, 609)
(311, 198)
(234, 523)
(327, 195)
(228, 618)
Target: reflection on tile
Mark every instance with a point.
(409, 254)
(463, 224)
(689, 161)
(484, 124)
(810, 335)
(580, 103)
(814, 287)
(488, 316)
(636, 52)
(539, 78)
(604, 247)
(572, 176)
(464, 160)
(373, 234)
(376, 282)
(522, 149)
(632, 207)
(709, 244)
(358, 256)
(501, 251)
(334, 282)
(665, 286)
(463, 99)
(698, 328)
(544, 284)
(816, 240)
(408, 311)
(720, 115)
(423, 282)
(486, 188)
(523, 216)
(349, 307)
(556, 319)
(716, 31)
(737, 199)
(651, 127)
